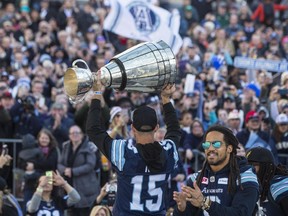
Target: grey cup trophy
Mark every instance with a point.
(146, 67)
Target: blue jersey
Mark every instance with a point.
(53, 208)
(278, 190)
(138, 191)
(215, 186)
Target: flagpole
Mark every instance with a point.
(106, 36)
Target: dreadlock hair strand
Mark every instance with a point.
(234, 173)
(265, 174)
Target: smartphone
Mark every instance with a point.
(111, 189)
(283, 91)
(3, 148)
(49, 175)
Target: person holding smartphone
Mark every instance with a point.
(46, 199)
(5, 160)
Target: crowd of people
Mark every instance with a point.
(39, 40)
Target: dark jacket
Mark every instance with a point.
(83, 175)
(49, 162)
(25, 121)
(282, 147)
(243, 136)
(263, 140)
(173, 185)
(6, 128)
(277, 203)
(10, 207)
(215, 186)
(193, 142)
(29, 153)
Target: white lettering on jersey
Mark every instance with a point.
(223, 181)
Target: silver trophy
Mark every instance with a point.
(146, 67)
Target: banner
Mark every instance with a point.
(260, 64)
(139, 20)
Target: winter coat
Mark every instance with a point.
(83, 174)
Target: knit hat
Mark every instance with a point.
(29, 148)
(282, 119)
(28, 141)
(255, 88)
(260, 155)
(144, 119)
(114, 111)
(265, 110)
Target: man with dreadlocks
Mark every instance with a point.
(226, 185)
(273, 181)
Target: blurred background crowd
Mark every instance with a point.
(39, 40)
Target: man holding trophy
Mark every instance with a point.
(142, 168)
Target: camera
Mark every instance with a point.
(112, 187)
(29, 103)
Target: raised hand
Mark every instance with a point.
(180, 199)
(103, 191)
(168, 90)
(68, 172)
(4, 159)
(194, 195)
(43, 181)
(97, 85)
(58, 179)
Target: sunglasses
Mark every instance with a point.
(215, 144)
(75, 133)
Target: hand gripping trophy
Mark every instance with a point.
(146, 67)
